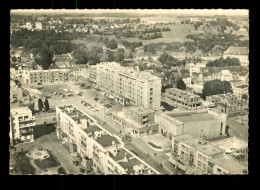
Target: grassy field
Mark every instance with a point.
(46, 163)
(22, 164)
(40, 130)
(88, 43)
(178, 33)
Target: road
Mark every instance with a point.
(150, 156)
(237, 129)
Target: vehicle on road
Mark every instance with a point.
(127, 137)
(108, 106)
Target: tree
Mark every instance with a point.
(46, 105)
(216, 87)
(31, 106)
(181, 84)
(14, 59)
(244, 97)
(42, 57)
(40, 104)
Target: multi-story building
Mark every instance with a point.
(21, 125)
(137, 120)
(93, 74)
(98, 148)
(129, 86)
(240, 53)
(202, 124)
(177, 97)
(196, 156)
(47, 76)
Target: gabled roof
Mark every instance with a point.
(237, 51)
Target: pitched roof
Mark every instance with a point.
(237, 51)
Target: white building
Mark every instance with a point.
(129, 86)
(240, 53)
(21, 123)
(98, 148)
(38, 25)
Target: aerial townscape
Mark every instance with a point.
(129, 92)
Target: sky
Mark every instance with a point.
(206, 12)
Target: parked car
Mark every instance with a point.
(108, 106)
(127, 137)
(79, 94)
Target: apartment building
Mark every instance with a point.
(137, 120)
(93, 74)
(47, 76)
(129, 86)
(98, 148)
(203, 124)
(240, 53)
(177, 97)
(196, 156)
(21, 125)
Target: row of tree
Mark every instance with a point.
(221, 62)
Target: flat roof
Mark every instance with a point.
(140, 109)
(92, 128)
(106, 140)
(191, 116)
(130, 164)
(199, 144)
(120, 155)
(229, 164)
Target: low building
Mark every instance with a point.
(202, 124)
(234, 146)
(176, 97)
(240, 90)
(137, 120)
(98, 148)
(64, 61)
(38, 25)
(196, 156)
(21, 125)
(240, 53)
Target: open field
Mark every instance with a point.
(53, 88)
(178, 33)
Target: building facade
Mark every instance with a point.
(98, 148)
(177, 97)
(202, 124)
(129, 86)
(196, 156)
(21, 125)
(47, 76)
(137, 120)
(240, 53)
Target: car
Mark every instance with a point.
(108, 106)
(92, 109)
(82, 102)
(62, 96)
(96, 99)
(96, 109)
(127, 137)
(79, 94)
(89, 107)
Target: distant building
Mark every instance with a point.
(240, 53)
(93, 74)
(177, 97)
(240, 90)
(137, 120)
(38, 25)
(80, 71)
(28, 25)
(202, 124)
(129, 86)
(64, 61)
(21, 123)
(196, 156)
(99, 149)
